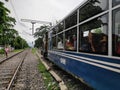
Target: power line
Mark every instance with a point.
(14, 11)
(33, 22)
(16, 15)
(22, 24)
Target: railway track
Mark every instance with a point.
(29, 77)
(10, 56)
(9, 69)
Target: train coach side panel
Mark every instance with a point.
(101, 75)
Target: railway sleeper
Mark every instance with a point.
(5, 78)
(4, 83)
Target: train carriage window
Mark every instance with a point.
(61, 27)
(93, 36)
(115, 2)
(116, 32)
(50, 40)
(49, 46)
(60, 41)
(71, 20)
(93, 7)
(71, 40)
(56, 29)
(53, 31)
(54, 46)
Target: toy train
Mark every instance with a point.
(86, 43)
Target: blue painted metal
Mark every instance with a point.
(96, 76)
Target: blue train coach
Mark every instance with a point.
(86, 43)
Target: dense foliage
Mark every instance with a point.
(39, 34)
(38, 42)
(8, 35)
(20, 43)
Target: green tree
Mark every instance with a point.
(41, 31)
(6, 25)
(20, 43)
(38, 42)
(98, 30)
(39, 34)
(8, 35)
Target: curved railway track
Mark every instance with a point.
(9, 68)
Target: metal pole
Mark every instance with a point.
(32, 27)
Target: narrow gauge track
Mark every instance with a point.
(9, 69)
(29, 77)
(14, 54)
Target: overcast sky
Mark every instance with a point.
(43, 10)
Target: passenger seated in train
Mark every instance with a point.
(85, 43)
(74, 42)
(90, 40)
(103, 45)
(60, 44)
(116, 45)
(100, 43)
(69, 45)
(94, 42)
(118, 48)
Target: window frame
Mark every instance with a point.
(114, 11)
(83, 6)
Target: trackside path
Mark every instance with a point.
(29, 77)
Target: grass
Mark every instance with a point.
(17, 50)
(2, 51)
(33, 50)
(49, 81)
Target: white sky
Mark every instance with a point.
(43, 10)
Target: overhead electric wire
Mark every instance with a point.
(18, 20)
(14, 10)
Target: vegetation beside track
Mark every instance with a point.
(17, 50)
(1, 51)
(49, 81)
(33, 50)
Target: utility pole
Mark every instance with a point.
(32, 27)
(33, 22)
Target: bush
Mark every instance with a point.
(1, 51)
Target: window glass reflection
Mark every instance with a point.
(71, 40)
(50, 40)
(53, 31)
(49, 44)
(71, 20)
(93, 36)
(115, 2)
(116, 32)
(60, 27)
(92, 8)
(54, 46)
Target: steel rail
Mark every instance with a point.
(10, 57)
(16, 72)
